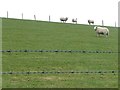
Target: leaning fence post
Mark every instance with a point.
(35, 17)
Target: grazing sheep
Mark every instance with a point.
(91, 21)
(63, 19)
(74, 20)
(101, 30)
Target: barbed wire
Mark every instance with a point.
(63, 72)
(66, 51)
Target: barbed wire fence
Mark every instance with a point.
(65, 72)
(49, 18)
(61, 72)
(65, 51)
(61, 51)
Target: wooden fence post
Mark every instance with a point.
(102, 23)
(115, 24)
(22, 15)
(35, 17)
(7, 14)
(49, 18)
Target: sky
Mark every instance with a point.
(97, 10)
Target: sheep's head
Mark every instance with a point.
(95, 28)
(66, 18)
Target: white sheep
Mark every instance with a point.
(101, 30)
(63, 19)
(90, 21)
(74, 20)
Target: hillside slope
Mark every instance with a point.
(39, 35)
(44, 35)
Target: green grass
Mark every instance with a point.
(18, 34)
(35, 35)
(59, 61)
(61, 81)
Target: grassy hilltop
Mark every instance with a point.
(40, 35)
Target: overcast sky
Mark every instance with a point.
(83, 10)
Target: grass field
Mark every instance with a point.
(39, 35)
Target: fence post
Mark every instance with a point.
(35, 17)
(49, 18)
(115, 24)
(7, 14)
(1, 53)
(102, 23)
(22, 15)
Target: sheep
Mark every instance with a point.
(101, 30)
(90, 21)
(63, 19)
(74, 20)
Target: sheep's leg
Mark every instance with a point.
(97, 35)
(106, 35)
